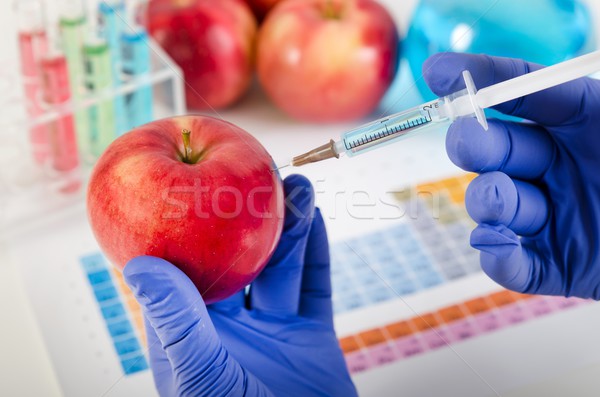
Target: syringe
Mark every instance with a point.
(466, 102)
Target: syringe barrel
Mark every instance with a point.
(397, 126)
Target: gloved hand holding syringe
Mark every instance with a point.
(466, 102)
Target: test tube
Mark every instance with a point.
(99, 82)
(136, 66)
(56, 96)
(33, 45)
(56, 91)
(72, 22)
(112, 15)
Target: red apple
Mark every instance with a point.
(212, 42)
(216, 214)
(262, 7)
(327, 60)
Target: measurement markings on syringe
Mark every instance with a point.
(386, 130)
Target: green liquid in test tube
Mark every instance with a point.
(98, 80)
(72, 24)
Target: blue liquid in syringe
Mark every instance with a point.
(391, 128)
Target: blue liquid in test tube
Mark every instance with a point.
(112, 16)
(136, 65)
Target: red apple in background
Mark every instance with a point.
(262, 7)
(327, 60)
(216, 213)
(212, 42)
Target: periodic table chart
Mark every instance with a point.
(417, 255)
(401, 294)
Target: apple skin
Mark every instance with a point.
(213, 43)
(321, 68)
(143, 199)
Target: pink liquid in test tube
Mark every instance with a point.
(32, 45)
(61, 131)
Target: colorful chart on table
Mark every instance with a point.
(429, 249)
(439, 329)
(120, 311)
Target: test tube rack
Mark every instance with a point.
(32, 191)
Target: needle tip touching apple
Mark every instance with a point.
(196, 191)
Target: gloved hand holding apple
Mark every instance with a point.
(196, 191)
(201, 194)
(276, 340)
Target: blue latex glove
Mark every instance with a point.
(279, 340)
(539, 179)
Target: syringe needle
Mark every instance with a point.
(280, 167)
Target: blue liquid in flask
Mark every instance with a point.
(539, 31)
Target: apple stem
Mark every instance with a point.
(330, 10)
(187, 150)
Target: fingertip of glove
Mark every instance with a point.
(317, 229)
(468, 146)
(502, 256)
(299, 200)
(296, 180)
(492, 198)
(148, 275)
(496, 240)
(142, 266)
(434, 74)
(318, 216)
(442, 73)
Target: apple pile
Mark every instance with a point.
(317, 60)
(196, 191)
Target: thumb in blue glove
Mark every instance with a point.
(277, 340)
(538, 179)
